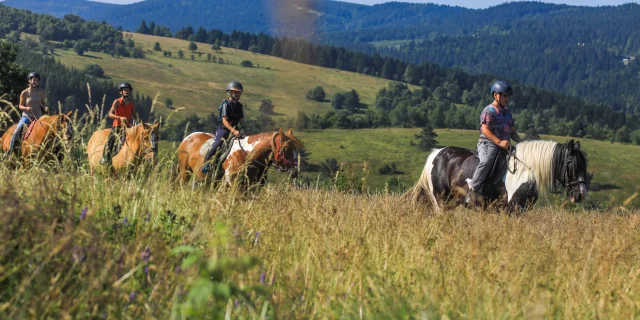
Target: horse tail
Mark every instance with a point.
(422, 191)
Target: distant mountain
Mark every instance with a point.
(87, 9)
(574, 50)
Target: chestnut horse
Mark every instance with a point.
(44, 137)
(255, 153)
(141, 143)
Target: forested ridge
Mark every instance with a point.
(447, 98)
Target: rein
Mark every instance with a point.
(511, 153)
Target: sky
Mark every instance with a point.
(463, 3)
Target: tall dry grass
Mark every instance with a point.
(321, 253)
(74, 245)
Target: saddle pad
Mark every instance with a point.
(226, 148)
(30, 129)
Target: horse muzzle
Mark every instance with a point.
(579, 194)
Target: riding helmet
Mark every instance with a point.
(234, 86)
(125, 85)
(501, 87)
(33, 75)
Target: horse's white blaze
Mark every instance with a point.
(513, 181)
(429, 171)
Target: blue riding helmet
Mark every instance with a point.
(501, 87)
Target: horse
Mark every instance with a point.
(140, 144)
(43, 138)
(255, 153)
(535, 168)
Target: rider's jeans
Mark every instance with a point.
(488, 152)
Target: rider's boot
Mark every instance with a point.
(106, 154)
(471, 195)
(207, 163)
(12, 147)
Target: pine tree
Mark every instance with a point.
(143, 28)
(426, 138)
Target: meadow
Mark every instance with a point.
(76, 245)
(198, 85)
(79, 246)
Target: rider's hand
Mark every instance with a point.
(124, 120)
(236, 133)
(28, 108)
(503, 144)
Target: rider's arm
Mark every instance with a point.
(515, 136)
(135, 114)
(229, 127)
(487, 133)
(244, 125)
(23, 102)
(43, 102)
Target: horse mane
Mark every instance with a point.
(538, 156)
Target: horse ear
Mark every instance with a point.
(577, 145)
(570, 144)
(290, 132)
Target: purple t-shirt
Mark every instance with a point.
(500, 123)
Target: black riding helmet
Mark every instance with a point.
(501, 87)
(125, 85)
(33, 75)
(234, 86)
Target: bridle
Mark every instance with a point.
(282, 164)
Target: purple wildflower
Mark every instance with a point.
(83, 213)
(78, 254)
(132, 296)
(124, 221)
(147, 217)
(236, 303)
(178, 269)
(262, 277)
(257, 237)
(146, 270)
(146, 254)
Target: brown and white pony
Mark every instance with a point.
(255, 154)
(44, 137)
(141, 143)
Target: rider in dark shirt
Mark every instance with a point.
(230, 114)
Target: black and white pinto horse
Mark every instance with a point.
(536, 168)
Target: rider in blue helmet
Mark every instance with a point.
(496, 130)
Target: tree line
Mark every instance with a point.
(456, 95)
(72, 31)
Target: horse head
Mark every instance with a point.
(64, 123)
(149, 138)
(285, 150)
(574, 171)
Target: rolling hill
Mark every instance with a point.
(198, 85)
(573, 50)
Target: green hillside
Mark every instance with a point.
(198, 86)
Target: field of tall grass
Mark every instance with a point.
(73, 245)
(79, 246)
